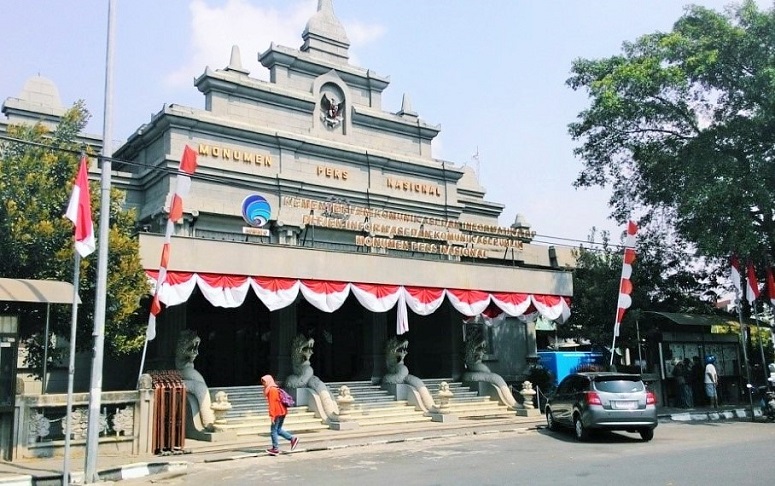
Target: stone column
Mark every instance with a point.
(531, 349)
(283, 327)
(374, 337)
(454, 324)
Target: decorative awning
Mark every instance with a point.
(275, 293)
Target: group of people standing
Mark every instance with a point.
(695, 381)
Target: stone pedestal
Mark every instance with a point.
(532, 412)
(443, 417)
(345, 402)
(348, 425)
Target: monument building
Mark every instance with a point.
(314, 210)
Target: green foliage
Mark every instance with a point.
(36, 241)
(683, 124)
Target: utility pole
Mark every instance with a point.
(95, 389)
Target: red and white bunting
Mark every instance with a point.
(625, 285)
(751, 285)
(230, 291)
(182, 186)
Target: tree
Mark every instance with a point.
(36, 241)
(683, 123)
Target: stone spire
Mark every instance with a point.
(235, 62)
(406, 107)
(324, 36)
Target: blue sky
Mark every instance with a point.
(491, 73)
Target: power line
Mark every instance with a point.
(594, 245)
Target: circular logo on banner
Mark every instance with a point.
(256, 210)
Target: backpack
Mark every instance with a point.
(285, 398)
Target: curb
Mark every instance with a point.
(129, 471)
(18, 480)
(734, 414)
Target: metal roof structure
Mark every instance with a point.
(38, 291)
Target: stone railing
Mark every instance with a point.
(125, 424)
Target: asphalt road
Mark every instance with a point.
(692, 453)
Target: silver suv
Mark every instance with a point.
(602, 400)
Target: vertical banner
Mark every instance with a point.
(625, 284)
(182, 186)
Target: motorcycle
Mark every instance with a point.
(766, 402)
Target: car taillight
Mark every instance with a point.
(593, 398)
(651, 399)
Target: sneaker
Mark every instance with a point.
(294, 443)
(273, 451)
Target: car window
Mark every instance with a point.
(564, 386)
(580, 384)
(618, 385)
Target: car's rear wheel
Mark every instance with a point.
(550, 423)
(646, 434)
(580, 431)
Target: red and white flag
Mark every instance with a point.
(79, 212)
(752, 285)
(734, 274)
(770, 286)
(625, 285)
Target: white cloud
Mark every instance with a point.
(360, 33)
(214, 29)
(237, 22)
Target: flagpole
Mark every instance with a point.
(759, 339)
(745, 346)
(142, 360)
(95, 390)
(71, 368)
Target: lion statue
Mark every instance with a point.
(301, 352)
(397, 373)
(476, 346)
(304, 376)
(476, 371)
(395, 352)
(197, 392)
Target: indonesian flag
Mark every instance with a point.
(770, 286)
(734, 273)
(79, 212)
(752, 286)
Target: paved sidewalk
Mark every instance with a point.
(48, 471)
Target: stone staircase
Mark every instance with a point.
(375, 406)
(372, 406)
(249, 414)
(466, 404)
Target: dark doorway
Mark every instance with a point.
(235, 342)
(339, 339)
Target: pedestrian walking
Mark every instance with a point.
(277, 412)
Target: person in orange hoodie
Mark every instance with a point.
(277, 412)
